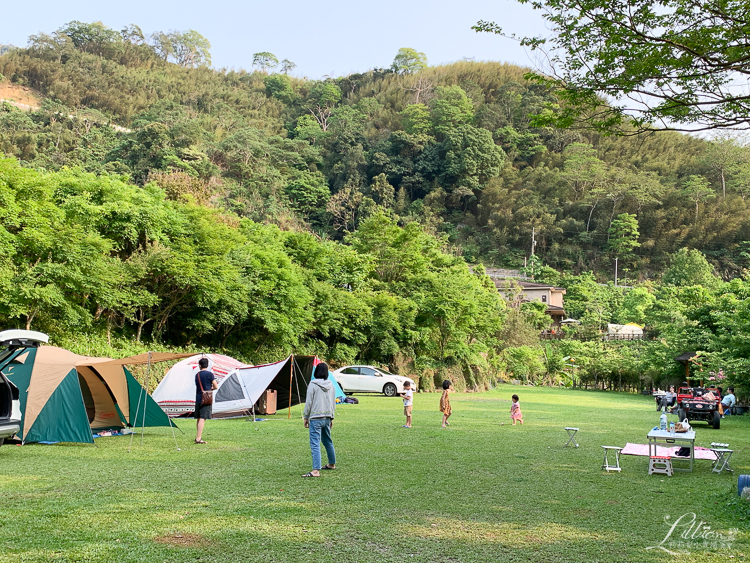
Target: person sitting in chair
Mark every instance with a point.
(728, 401)
(668, 400)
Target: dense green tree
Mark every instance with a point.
(635, 306)
(321, 101)
(689, 267)
(416, 119)
(190, 48)
(408, 61)
(623, 236)
(471, 157)
(697, 189)
(287, 66)
(279, 86)
(723, 156)
(94, 38)
(265, 61)
(450, 108)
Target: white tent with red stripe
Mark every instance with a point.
(240, 386)
(176, 392)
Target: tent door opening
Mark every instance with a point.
(88, 399)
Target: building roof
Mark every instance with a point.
(687, 356)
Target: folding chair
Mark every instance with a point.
(605, 464)
(571, 435)
(722, 460)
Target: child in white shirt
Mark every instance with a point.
(407, 397)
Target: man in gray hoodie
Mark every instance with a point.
(320, 408)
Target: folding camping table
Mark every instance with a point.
(666, 437)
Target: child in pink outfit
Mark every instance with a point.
(515, 411)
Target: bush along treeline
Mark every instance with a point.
(152, 198)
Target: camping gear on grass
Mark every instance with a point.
(65, 397)
(671, 451)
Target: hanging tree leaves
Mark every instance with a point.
(678, 64)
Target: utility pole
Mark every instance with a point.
(533, 240)
(615, 271)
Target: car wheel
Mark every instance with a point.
(389, 390)
(717, 420)
(2, 441)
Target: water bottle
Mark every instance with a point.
(663, 421)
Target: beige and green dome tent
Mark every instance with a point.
(65, 397)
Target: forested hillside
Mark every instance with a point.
(449, 147)
(153, 198)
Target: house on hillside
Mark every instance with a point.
(522, 291)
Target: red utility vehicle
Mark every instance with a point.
(695, 403)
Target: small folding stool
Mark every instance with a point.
(660, 464)
(605, 464)
(722, 459)
(572, 435)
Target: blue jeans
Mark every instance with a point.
(320, 430)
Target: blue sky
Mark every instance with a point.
(328, 37)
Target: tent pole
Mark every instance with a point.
(138, 410)
(296, 382)
(145, 396)
(173, 434)
(291, 373)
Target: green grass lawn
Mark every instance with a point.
(476, 491)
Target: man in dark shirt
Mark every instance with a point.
(207, 380)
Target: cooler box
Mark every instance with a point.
(267, 402)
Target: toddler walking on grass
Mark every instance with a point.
(445, 402)
(515, 411)
(407, 396)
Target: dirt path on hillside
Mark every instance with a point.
(21, 95)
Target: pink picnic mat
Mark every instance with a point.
(671, 451)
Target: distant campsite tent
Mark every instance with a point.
(630, 331)
(240, 388)
(175, 393)
(65, 397)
